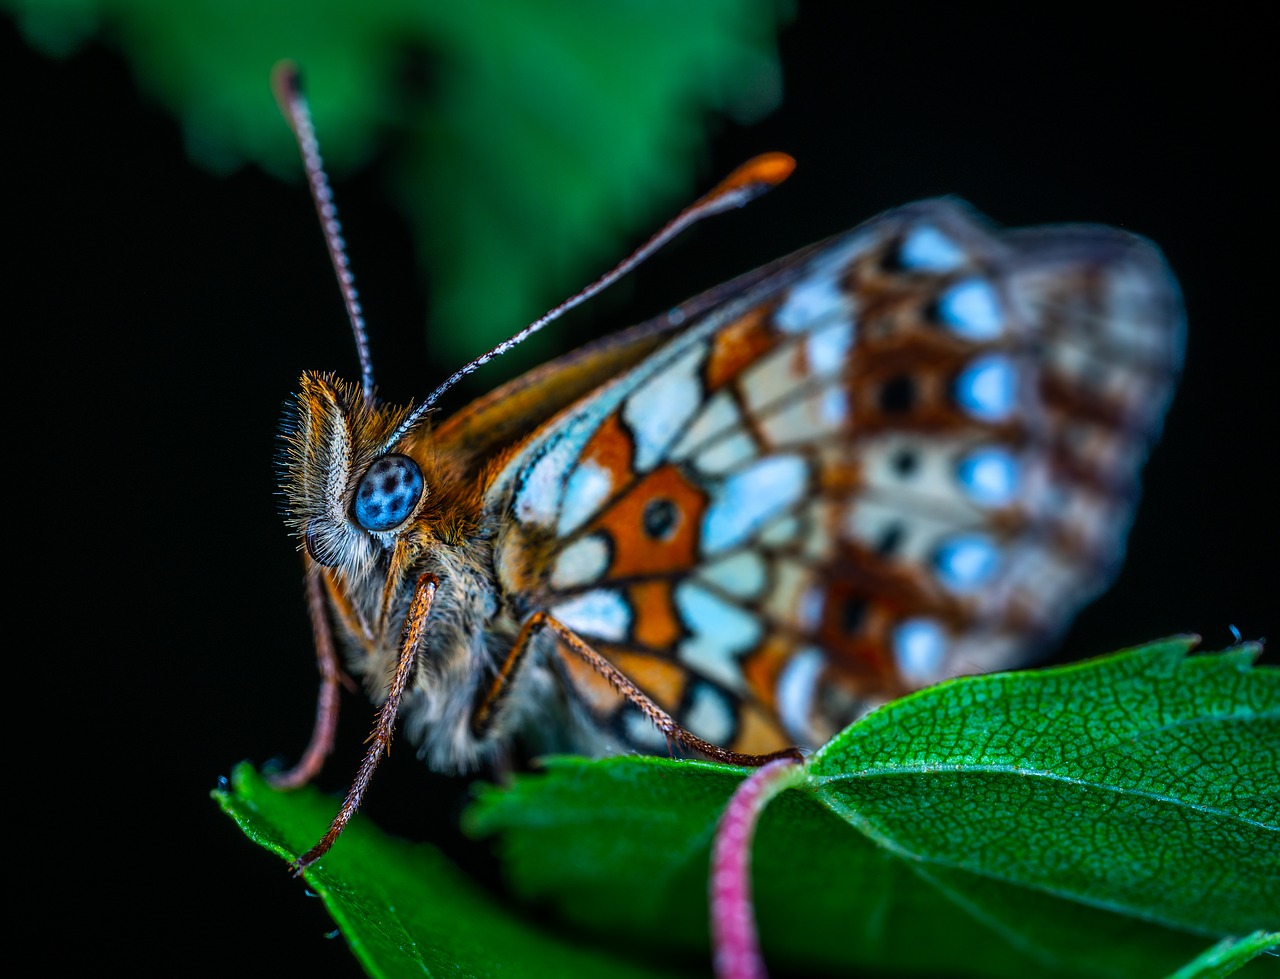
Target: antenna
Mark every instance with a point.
(742, 186)
(286, 83)
(753, 178)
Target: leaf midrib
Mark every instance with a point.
(821, 781)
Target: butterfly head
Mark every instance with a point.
(351, 489)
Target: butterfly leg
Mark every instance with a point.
(331, 675)
(415, 627)
(569, 640)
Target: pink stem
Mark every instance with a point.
(735, 947)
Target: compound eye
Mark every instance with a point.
(388, 493)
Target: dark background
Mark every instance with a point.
(159, 317)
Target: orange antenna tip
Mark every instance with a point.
(753, 178)
(743, 185)
(767, 168)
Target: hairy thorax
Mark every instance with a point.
(470, 632)
(461, 651)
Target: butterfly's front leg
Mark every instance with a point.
(331, 676)
(411, 636)
(570, 644)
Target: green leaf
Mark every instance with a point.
(1099, 819)
(537, 135)
(403, 908)
(1229, 955)
(1154, 750)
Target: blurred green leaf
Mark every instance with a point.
(525, 138)
(1102, 819)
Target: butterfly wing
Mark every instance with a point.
(907, 453)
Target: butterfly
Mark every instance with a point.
(902, 454)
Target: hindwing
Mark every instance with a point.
(907, 453)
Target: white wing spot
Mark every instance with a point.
(581, 563)
(602, 613)
(720, 631)
(537, 500)
(662, 406)
(809, 609)
(827, 350)
(643, 733)
(819, 415)
(834, 407)
(710, 715)
(772, 377)
(741, 574)
(972, 310)
(726, 453)
(749, 498)
(966, 561)
(791, 598)
(926, 249)
(719, 414)
(588, 486)
(809, 301)
(781, 532)
(989, 476)
(797, 683)
(918, 647)
(987, 388)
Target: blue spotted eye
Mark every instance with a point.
(388, 493)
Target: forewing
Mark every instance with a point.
(908, 453)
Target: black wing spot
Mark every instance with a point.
(853, 613)
(659, 518)
(905, 463)
(897, 395)
(891, 539)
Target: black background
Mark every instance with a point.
(159, 317)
